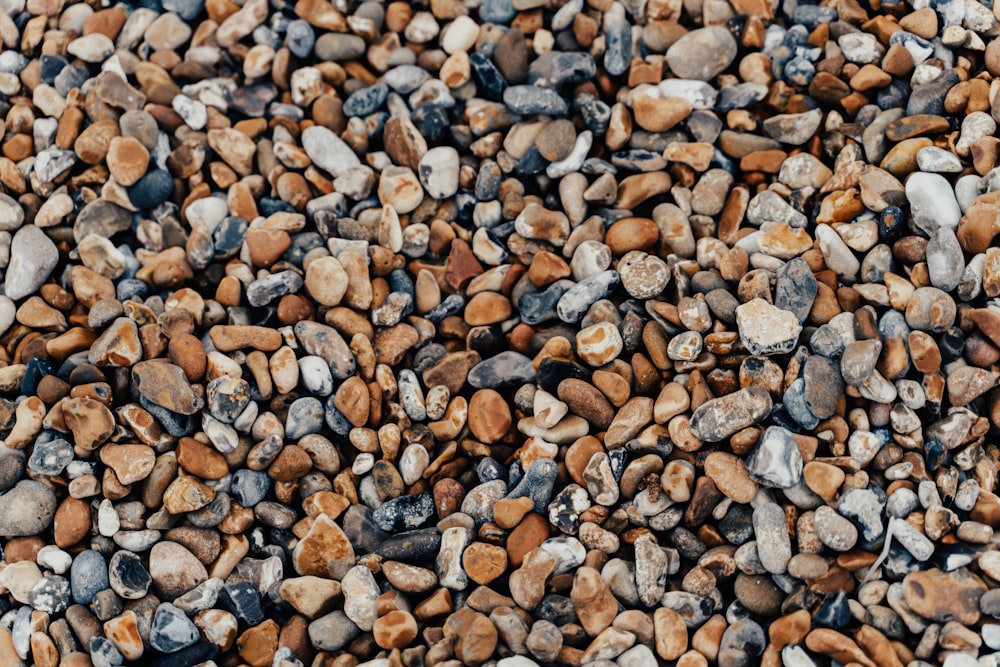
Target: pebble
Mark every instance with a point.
(702, 54)
(765, 329)
(33, 256)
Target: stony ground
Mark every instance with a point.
(499, 332)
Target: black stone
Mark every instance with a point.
(243, 600)
(414, 546)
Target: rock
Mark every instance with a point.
(701, 54)
(167, 386)
(765, 329)
(730, 475)
(775, 461)
(174, 569)
(720, 418)
(944, 596)
(171, 630)
(33, 257)
(834, 530)
(27, 509)
(932, 202)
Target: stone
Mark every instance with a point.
(174, 569)
(33, 257)
(775, 461)
(721, 417)
(766, 329)
(944, 596)
(27, 509)
(731, 477)
(702, 54)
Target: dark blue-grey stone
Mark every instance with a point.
(558, 68)
(490, 82)
(799, 71)
(796, 288)
(505, 369)
(596, 115)
(154, 188)
(50, 594)
(175, 424)
(432, 121)
(250, 486)
(951, 343)
(737, 525)
(537, 484)
(300, 38)
(452, 305)
(404, 513)
(893, 324)
(227, 239)
(361, 530)
(532, 163)
(69, 78)
(618, 47)
(367, 100)
(488, 181)
(243, 600)
(275, 285)
(745, 638)
(186, 9)
(929, 97)
(812, 15)
(794, 402)
(740, 96)
(557, 609)
(302, 243)
(335, 419)
(826, 341)
(833, 612)
(894, 95)
(130, 287)
(212, 514)
(414, 546)
(551, 372)
(50, 456)
(35, 370)
(637, 159)
(489, 469)
(535, 100)
(192, 655)
(88, 575)
(103, 653)
(11, 465)
(50, 67)
(573, 305)
(497, 11)
(127, 575)
(252, 101)
(171, 630)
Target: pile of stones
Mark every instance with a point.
(499, 332)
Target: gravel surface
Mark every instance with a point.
(513, 333)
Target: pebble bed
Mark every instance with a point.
(512, 333)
